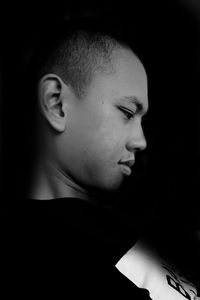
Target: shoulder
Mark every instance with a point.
(64, 254)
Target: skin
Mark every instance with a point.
(84, 140)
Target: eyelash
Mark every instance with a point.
(128, 114)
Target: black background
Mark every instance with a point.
(166, 185)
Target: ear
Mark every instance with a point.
(51, 101)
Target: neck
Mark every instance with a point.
(50, 182)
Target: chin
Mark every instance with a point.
(104, 185)
(109, 187)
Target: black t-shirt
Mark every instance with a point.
(68, 247)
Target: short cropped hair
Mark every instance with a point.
(76, 52)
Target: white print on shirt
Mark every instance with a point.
(148, 271)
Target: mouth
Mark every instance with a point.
(126, 166)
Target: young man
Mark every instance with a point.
(91, 97)
(92, 102)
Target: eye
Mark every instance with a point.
(128, 113)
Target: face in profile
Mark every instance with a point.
(103, 130)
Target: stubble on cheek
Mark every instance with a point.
(104, 147)
(100, 167)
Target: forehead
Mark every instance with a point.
(128, 80)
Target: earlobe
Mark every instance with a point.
(51, 101)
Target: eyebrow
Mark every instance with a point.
(134, 100)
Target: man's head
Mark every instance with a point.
(92, 94)
(78, 56)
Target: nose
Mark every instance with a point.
(137, 140)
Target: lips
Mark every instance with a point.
(128, 163)
(126, 166)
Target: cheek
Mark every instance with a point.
(103, 153)
(97, 154)
(112, 138)
(97, 138)
(99, 134)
